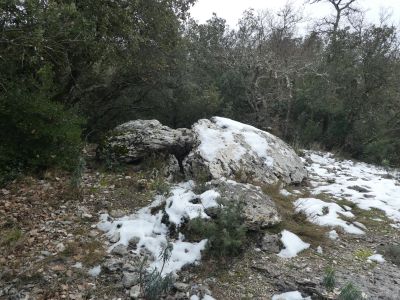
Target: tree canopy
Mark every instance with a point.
(72, 70)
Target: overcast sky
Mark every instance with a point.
(231, 10)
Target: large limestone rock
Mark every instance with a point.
(226, 148)
(259, 211)
(213, 148)
(135, 140)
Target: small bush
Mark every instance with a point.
(350, 292)
(329, 279)
(392, 252)
(153, 284)
(226, 233)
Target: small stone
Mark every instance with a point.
(181, 287)
(93, 233)
(270, 243)
(181, 296)
(360, 225)
(112, 265)
(95, 271)
(60, 247)
(115, 237)
(117, 213)
(87, 216)
(45, 253)
(134, 292)
(359, 189)
(133, 243)
(319, 250)
(120, 250)
(5, 192)
(58, 268)
(130, 279)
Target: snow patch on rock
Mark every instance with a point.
(226, 148)
(292, 243)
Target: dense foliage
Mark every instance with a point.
(71, 70)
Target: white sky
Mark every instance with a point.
(231, 10)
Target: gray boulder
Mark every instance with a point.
(135, 140)
(226, 148)
(212, 149)
(259, 210)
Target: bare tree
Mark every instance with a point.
(343, 8)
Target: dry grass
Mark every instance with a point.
(90, 253)
(293, 221)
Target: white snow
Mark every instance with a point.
(333, 235)
(377, 219)
(179, 205)
(285, 193)
(376, 258)
(153, 233)
(213, 141)
(206, 297)
(326, 214)
(397, 225)
(95, 271)
(292, 243)
(295, 295)
(381, 191)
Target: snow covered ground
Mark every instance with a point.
(366, 185)
(151, 233)
(327, 214)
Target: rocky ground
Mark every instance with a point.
(49, 244)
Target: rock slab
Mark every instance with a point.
(212, 149)
(135, 140)
(226, 148)
(259, 210)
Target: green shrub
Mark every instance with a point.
(226, 233)
(383, 151)
(153, 284)
(350, 292)
(36, 133)
(392, 252)
(329, 279)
